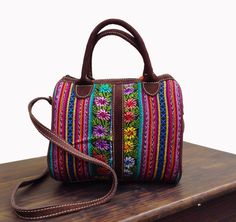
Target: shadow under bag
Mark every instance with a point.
(127, 129)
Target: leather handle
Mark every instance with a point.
(116, 32)
(59, 209)
(147, 76)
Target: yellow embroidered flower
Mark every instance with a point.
(128, 146)
(130, 133)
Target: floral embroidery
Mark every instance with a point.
(130, 103)
(131, 124)
(105, 88)
(130, 133)
(100, 101)
(99, 131)
(129, 162)
(128, 90)
(128, 117)
(128, 146)
(101, 145)
(103, 114)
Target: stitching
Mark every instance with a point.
(147, 92)
(80, 96)
(59, 213)
(81, 156)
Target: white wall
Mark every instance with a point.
(40, 41)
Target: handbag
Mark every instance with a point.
(125, 129)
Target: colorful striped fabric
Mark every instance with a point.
(152, 132)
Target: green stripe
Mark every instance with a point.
(90, 122)
(140, 132)
(50, 159)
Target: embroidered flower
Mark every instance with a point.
(130, 133)
(103, 114)
(100, 157)
(128, 90)
(128, 117)
(130, 103)
(101, 101)
(128, 146)
(99, 131)
(101, 144)
(127, 171)
(105, 88)
(129, 162)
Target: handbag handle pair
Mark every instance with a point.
(135, 40)
(86, 78)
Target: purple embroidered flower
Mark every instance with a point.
(100, 101)
(99, 131)
(129, 162)
(103, 114)
(128, 90)
(102, 144)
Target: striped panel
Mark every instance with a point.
(156, 122)
(72, 126)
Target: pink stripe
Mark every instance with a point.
(179, 130)
(145, 136)
(56, 100)
(63, 129)
(155, 135)
(170, 130)
(85, 149)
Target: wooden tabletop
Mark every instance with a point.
(207, 174)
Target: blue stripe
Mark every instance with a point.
(70, 132)
(91, 168)
(162, 131)
(140, 132)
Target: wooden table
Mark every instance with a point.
(206, 192)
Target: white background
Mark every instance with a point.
(40, 41)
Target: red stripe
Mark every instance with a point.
(58, 130)
(150, 136)
(175, 129)
(145, 140)
(76, 136)
(168, 98)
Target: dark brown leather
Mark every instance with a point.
(83, 91)
(116, 32)
(59, 209)
(150, 88)
(148, 76)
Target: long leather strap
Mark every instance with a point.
(59, 209)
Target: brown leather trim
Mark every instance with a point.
(151, 88)
(59, 209)
(83, 91)
(117, 129)
(118, 81)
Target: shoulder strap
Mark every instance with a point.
(59, 209)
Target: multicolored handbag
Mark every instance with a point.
(128, 129)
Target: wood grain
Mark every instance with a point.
(208, 174)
